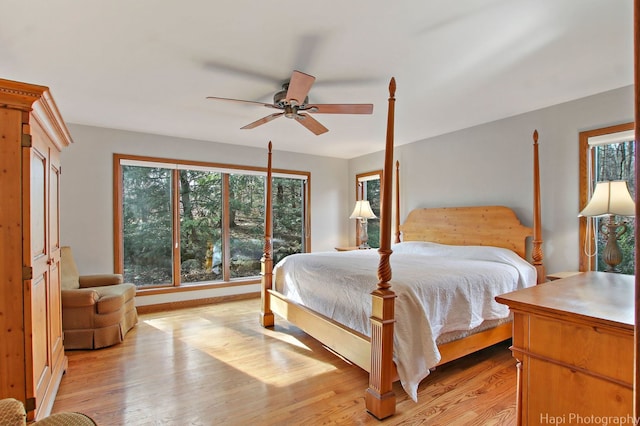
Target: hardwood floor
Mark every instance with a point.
(215, 365)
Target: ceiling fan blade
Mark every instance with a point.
(242, 101)
(299, 87)
(349, 82)
(340, 108)
(311, 123)
(263, 120)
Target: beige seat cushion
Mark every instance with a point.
(113, 297)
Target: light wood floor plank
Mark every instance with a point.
(214, 365)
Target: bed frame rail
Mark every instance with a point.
(349, 344)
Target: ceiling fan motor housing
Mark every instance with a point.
(280, 98)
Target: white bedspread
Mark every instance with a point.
(440, 289)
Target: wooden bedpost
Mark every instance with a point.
(380, 399)
(397, 240)
(536, 253)
(636, 74)
(266, 267)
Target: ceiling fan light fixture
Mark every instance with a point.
(290, 111)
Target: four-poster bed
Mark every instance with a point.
(373, 349)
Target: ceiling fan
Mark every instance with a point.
(293, 101)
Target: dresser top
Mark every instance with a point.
(595, 296)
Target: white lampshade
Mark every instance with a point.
(362, 210)
(610, 197)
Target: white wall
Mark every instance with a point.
(491, 164)
(87, 187)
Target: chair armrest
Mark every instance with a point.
(100, 280)
(12, 412)
(79, 297)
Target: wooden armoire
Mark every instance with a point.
(32, 134)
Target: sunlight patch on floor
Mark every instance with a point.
(287, 338)
(284, 359)
(169, 325)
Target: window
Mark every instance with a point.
(368, 188)
(189, 224)
(606, 154)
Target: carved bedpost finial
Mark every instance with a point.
(536, 250)
(268, 213)
(266, 268)
(384, 269)
(397, 240)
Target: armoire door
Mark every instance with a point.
(45, 314)
(36, 306)
(55, 303)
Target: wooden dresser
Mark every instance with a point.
(573, 339)
(32, 134)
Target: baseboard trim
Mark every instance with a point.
(181, 304)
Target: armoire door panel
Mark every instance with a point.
(40, 334)
(38, 201)
(54, 202)
(55, 315)
(54, 230)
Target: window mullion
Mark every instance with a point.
(306, 217)
(175, 208)
(226, 238)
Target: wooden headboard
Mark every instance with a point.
(496, 226)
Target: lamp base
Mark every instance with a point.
(611, 254)
(364, 236)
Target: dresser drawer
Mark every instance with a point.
(605, 351)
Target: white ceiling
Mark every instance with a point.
(147, 65)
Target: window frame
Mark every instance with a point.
(586, 263)
(176, 165)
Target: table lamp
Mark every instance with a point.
(362, 212)
(611, 198)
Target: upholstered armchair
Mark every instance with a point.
(12, 413)
(97, 310)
